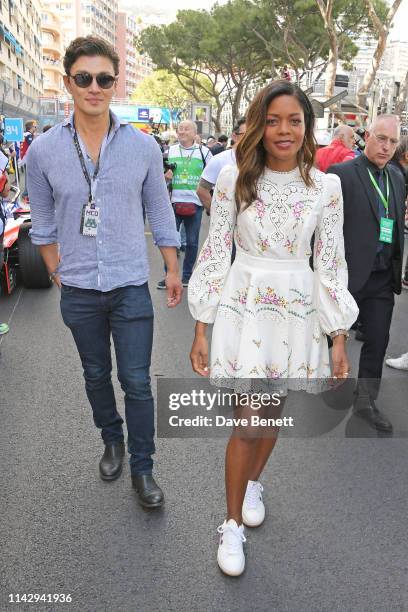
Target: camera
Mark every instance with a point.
(359, 134)
(168, 165)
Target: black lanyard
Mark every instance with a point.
(83, 164)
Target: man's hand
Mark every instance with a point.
(57, 280)
(174, 289)
(168, 175)
(340, 362)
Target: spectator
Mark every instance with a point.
(339, 150)
(189, 160)
(374, 198)
(220, 146)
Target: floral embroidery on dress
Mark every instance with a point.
(234, 365)
(260, 208)
(319, 246)
(291, 246)
(297, 210)
(205, 253)
(222, 196)
(262, 244)
(334, 202)
(273, 371)
(269, 296)
(241, 296)
(257, 342)
(302, 299)
(228, 239)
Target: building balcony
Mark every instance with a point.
(52, 48)
(51, 23)
(53, 70)
(53, 91)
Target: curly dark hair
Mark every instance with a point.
(89, 45)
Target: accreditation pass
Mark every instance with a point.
(90, 220)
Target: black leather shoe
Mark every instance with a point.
(110, 466)
(150, 494)
(367, 410)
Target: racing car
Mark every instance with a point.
(22, 259)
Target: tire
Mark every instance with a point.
(32, 268)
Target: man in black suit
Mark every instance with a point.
(374, 202)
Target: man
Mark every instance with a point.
(190, 159)
(86, 194)
(216, 164)
(339, 150)
(220, 145)
(4, 191)
(30, 129)
(374, 199)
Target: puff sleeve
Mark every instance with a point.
(336, 306)
(214, 261)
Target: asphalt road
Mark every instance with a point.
(335, 536)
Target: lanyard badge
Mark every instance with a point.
(90, 216)
(386, 224)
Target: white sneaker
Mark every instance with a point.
(253, 509)
(400, 363)
(230, 557)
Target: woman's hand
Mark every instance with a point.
(199, 355)
(340, 362)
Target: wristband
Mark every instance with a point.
(54, 274)
(340, 332)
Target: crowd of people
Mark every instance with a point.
(275, 205)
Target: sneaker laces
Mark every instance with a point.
(252, 495)
(232, 544)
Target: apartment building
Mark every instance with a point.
(134, 67)
(21, 78)
(52, 53)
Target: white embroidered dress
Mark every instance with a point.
(271, 312)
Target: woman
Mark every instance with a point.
(271, 312)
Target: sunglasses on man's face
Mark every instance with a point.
(84, 79)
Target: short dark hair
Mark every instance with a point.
(223, 138)
(89, 45)
(241, 121)
(46, 128)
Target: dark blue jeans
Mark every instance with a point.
(126, 314)
(192, 226)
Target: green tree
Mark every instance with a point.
(210, 53)
(164, 89)
(381, 18)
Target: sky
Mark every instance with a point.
(399, 31)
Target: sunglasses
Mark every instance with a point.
(84, 79)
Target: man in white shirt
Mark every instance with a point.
(190, 159)
(217, 163)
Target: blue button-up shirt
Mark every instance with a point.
(131, 173)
